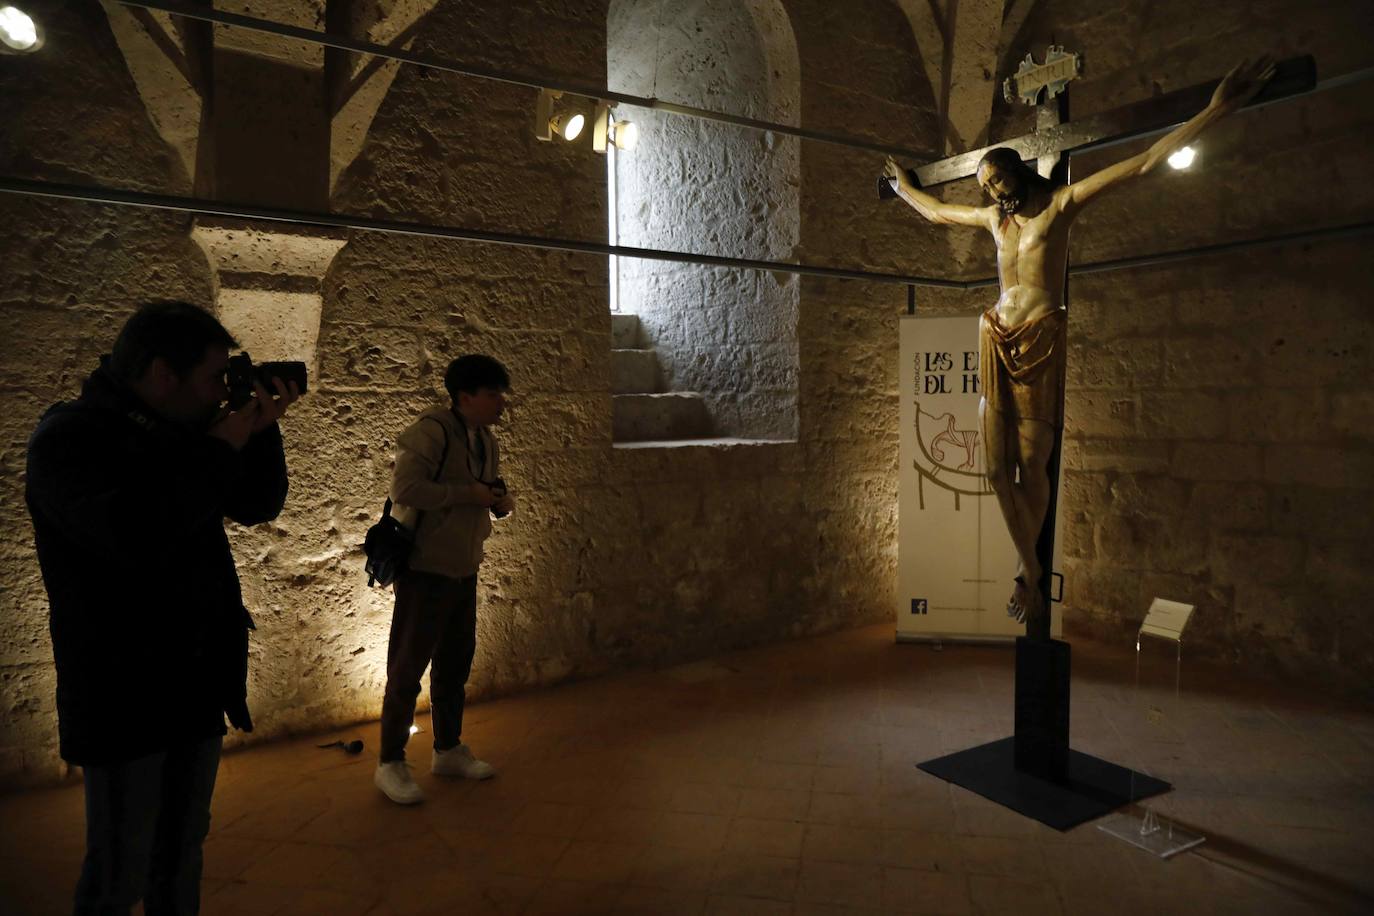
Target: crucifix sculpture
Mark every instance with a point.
(1022, 338)
(1023, 352)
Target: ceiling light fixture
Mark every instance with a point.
(19, 34)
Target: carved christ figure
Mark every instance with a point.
(1022, 339)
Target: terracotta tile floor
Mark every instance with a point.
(780, 780)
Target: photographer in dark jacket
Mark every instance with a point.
(128, 487)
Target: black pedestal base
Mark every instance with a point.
(1042, 707)
(1090, 789)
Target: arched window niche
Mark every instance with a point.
(711, 188)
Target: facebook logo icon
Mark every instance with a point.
(918, 605)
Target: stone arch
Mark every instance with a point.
(712, 188)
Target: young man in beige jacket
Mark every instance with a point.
(447, 487)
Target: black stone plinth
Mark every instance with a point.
(1089, 788)
(1042, 707)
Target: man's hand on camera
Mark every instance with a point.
(272, 408)
(237, 426)
(483, 496)
(503, 506)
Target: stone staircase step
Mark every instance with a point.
(672, 415)
(624, 331)
(634, 372)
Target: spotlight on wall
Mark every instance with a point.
(1182, 158)
(19, 34)
(607, 130)
(567, 122)
(569, 127)
(624, 134)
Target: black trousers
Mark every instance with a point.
(146, 820)
(434, 624)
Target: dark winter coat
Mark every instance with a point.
(149, 631)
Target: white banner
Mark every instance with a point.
(955, 559)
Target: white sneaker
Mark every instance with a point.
(394, 780)
(458, 761)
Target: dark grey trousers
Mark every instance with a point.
(434, 624)
(145, 822)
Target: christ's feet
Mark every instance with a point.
(1026, 603)
(1016, 605)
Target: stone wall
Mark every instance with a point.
(1217, 447)
(859, 78)
(713, 188)
(616, 557)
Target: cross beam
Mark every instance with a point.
(1291, 77)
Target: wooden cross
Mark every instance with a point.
(1055, 137)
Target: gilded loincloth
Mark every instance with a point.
(1021, 369)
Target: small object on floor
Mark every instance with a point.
(458, 761)
(395, 781)
(351, 747)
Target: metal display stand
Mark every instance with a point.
(1147, 830)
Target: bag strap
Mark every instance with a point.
(443, 456)
(438, 472)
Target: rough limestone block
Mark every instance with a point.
(1190, 414)
(1103, 413)
(1255, 558)
(1207, 362)
(1320, 465)
(1217, 461)
(1135, 363)
(1085, 492)
(1077, 538)
(1178, 548)
(1149, 496)
(624, 331)
(53, 349)
(674, 415)
(1123, 540)
(1352, 414)
(1228, 506)
(1302, 510)
(634, 372)
(1114, 454)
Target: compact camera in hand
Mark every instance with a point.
(241, 374)
(498, 489)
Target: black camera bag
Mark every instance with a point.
(388, 543)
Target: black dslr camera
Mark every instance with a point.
(498, 489)
(241, 374)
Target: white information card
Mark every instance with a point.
(1166, 619)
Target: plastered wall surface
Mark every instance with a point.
(1218, 446)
